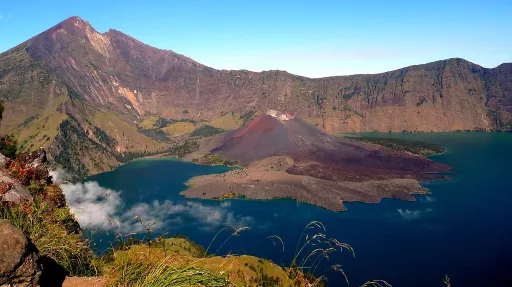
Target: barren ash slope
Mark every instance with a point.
(286, 157)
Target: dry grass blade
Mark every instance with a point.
(236, 233)
(376, 283)
(343, 245)
(278, 238)
(215, 237)
(338, 268)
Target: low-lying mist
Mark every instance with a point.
(96, 207)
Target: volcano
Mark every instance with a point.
(284, 156)
(320, 155)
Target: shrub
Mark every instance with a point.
(52, 238)
(215, 159)
(135, 267)
(104, 138)
(411, 146)
(187, 147)
(8, 146)
(247, 117)
(2, 109)
(421, 102)
(206, 131)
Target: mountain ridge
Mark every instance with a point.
(121, 98)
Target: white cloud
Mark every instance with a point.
(60, 176)
(427, 199)
(96, 207)
(93, 205)
(413, 214)
(225, 204)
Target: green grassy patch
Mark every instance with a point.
(411, 146)
(206, 131)
(54, 231)
(188, 147)
(214, 159)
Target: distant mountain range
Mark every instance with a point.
(98, 99)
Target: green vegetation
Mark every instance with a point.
(421, 102)
(26, 122)
(130, 155)
(2, 109)
(247, 117)
(206, 131)
(411, 146)
(156, 134)
(69, 156)
(358, 114)
(162, 122)
(188, 147)
(230, 195)
(227, 121)
(47, 220)
(214, 159)
(49, 229)
(177, 261)
(103, 137)
(73, 95)
(129, 269)
(179, 128)
(8, 146)
(348, 108)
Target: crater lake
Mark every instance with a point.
(461, 229)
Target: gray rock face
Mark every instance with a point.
(18, 257)
(3, 160)
(16, 193)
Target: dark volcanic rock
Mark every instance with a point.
(18, 257)
(320, 155)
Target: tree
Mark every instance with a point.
(1, 109)
(8, 144)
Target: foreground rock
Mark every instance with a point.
(84, 282)
(16, 175)
(18, 257)
(11, 190)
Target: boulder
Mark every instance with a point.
(18, 257)
(12, 191)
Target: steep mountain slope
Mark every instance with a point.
(106, 84)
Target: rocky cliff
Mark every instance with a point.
(97, 99)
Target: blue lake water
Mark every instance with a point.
(462, 229)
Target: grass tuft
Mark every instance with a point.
(51, 231)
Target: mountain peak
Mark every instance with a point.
(74, 18)
(74, 22)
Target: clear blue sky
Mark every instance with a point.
(310, 38)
